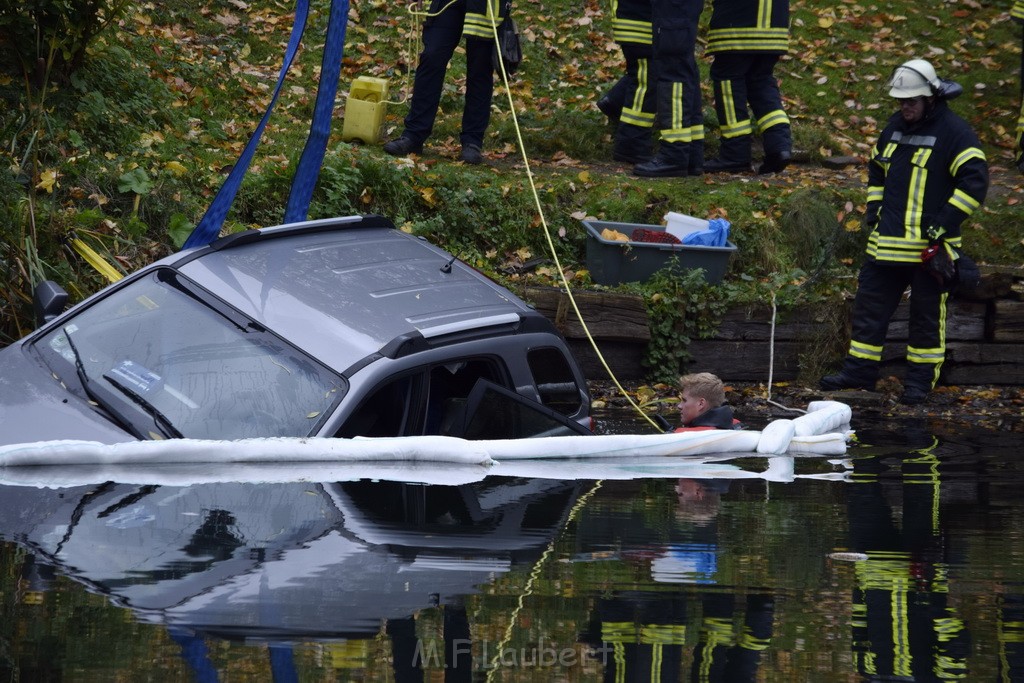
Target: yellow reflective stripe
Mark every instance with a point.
(772, 118)
(618, 632)
(656, 659)
(642, 66)
(637, 118)
(737, 130)
(965, 156)
(933, 355)
(1018, 10)
(866, 351)
(915, 196)
(764, 13)
(731, 39)
(632, 31)
(902, 658)
(748, 641)
(875, 193)
(665, 634)
(677, 106)
(964, 201)
(99, 264)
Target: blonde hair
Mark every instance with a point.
(704, 385)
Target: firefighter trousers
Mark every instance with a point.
(743, 80)
(680, 118)
(634, 134)
(441, 35)
(880, 288)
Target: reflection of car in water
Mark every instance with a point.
(285, 561)
(340, 327)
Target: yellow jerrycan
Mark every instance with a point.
(364, 110)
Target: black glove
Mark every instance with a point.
(871, 216)
(936, 257)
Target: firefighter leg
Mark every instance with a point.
(633, 137)
(926, 342)
(879, 289)
(476, 113)
(728, 79)
(771, 120)
(679, 116)
(441, 35)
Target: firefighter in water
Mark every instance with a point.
(926, 175)
(747, 38)
(680, 119)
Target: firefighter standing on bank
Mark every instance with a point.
(443, 30)
(747, 39)
(680, 119)
(926, 175)
(633, 33)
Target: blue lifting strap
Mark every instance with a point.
(213, 219)
(312, 157)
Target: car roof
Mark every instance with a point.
(345, 289)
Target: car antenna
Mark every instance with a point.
(447, 268)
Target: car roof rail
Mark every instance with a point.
(302, 228)
(432, 337)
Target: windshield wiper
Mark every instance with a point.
(161, 421)
(120, 418)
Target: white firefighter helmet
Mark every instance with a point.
(914, 79)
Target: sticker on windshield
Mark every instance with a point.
(136, 377)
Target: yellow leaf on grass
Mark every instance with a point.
(176, 168)
(852, 225)
(428, 195)
(47, 181)
(826, 22)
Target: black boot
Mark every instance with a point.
(840, 381)
(671, 161)
(632, 144)
(775, 162)
(402, 146)
(719, 165)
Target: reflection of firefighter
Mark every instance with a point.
(728, 653)
(1011, 638)
(640, 636)
(903, 626)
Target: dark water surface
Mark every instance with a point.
(903, 561)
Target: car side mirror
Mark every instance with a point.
(48, 300)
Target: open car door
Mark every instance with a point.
(494, 412)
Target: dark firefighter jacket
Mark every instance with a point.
(749, 26)
(929, 174)
(481, 18)
(632, 23)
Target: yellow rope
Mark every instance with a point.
(534, 573)
(551, 243)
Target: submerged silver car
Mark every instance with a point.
(341, 327)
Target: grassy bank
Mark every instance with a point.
(127, 151)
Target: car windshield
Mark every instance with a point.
(176, 364)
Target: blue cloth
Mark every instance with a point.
(716, 235)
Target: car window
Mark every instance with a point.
(426, 401)
(206, 370)
(555, 381)
(493, 412)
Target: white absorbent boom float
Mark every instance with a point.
(823, 430)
